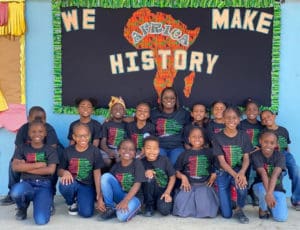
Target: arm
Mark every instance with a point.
(241, 178)
(105, 148)
(97, 177)
(212, 178)
(167, 192)
(48, 170)
(185, 184)
(271, 202)
(96, 142)
(22, 166)
(123, 205)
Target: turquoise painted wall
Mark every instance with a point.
(39, 78)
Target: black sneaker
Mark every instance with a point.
(148, 211)
(108, 214)
(239, 214)
(7, 201)
(21, 214)
(73, 209)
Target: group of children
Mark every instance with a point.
(163, 159)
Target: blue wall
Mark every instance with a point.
(39, 78)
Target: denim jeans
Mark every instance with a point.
(114, 194)
(280, 211)
(152, 193)
(294, 175)
(37, 191)
(224, 182)
(83, 194)
(172, 154)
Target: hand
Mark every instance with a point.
(185, 184)
(100, 204)
(111, 154)
(167, 197)
(270, 200)
(67, 178)
(241, 181)
(212, 179)
(123, 206)
(150, 174)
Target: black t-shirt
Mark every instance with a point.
(46, 154)
(114, 132)
(94, 126)
(197, 165)
(268, 164)
(214, 128)
(138, 135)
(163, 169)
(128, 175)
(82, 164)
(252, 130)
(23, 138)
(169, 127)
(283, 138)
(233, 148)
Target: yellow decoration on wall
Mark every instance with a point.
(16, 19)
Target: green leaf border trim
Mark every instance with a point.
(115, 4)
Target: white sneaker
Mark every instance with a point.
(73, 209)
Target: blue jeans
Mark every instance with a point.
(294, 175)
(83, 194)
(114, 194)
(37, 191)
(172, 154)
(280, 211)
(224, 182)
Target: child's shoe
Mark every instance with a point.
(73, 209)
(21, 214)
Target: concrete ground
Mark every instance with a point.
(62, 220)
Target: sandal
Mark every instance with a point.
(263, 214)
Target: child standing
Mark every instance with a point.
(198, 115)
(169, 120)
(121, 187)
(232, 148)
(216, 124)
(140, 128)
(85, 107)
(80, 172)
(268, 120)
(36, 162)
(252, 127)
(22, 137)
(194, 168)
(161, 179)
(268, 187)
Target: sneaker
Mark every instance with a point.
(7, 201)
(73, 209)
(21, 214)
(297, 207)
(108, 214)
(239, 214)
(148, 211)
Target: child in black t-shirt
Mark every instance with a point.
(232, 147)
(160, 176)
(36, 162)
(80, 172)
(121, 187)
(140, 128)
(268, 120)
(113, 131)
(269, 163)
(194, 168)
(85, 107)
